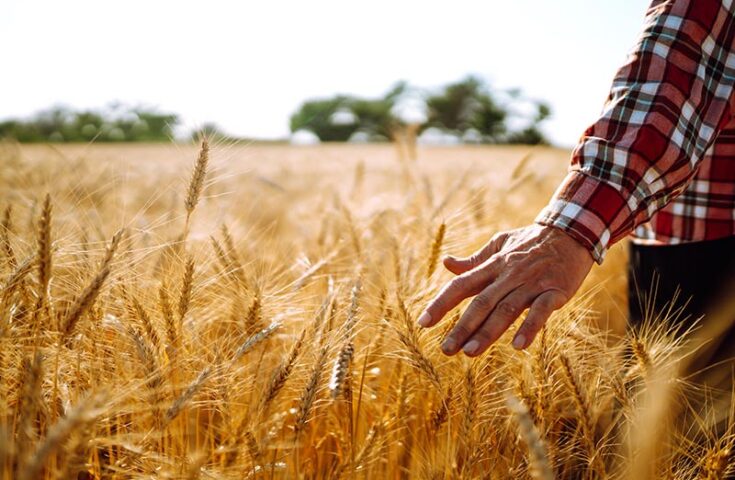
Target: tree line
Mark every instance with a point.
(114, 123)
(466, 111)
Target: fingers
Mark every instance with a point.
(461, 287)
(495, 324)
(459, 265)
(490, 299)
(541, 309)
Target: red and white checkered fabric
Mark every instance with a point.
(660, 160)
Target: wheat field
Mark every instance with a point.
(248, 311)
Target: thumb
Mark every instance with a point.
(460, 265)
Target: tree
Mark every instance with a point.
(61, 124)
(458, 108)
(466, 105)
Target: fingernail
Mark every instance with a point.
(519, 342)
(449, 345)
(471, 347)
(425, 319)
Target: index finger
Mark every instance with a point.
(462, 286)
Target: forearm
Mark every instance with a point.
(665, 108)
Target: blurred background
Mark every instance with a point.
(527, 71)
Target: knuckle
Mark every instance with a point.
(545, 303)
(482, 302)
(513, 259)
(546, 283)
(551, 301)
(474, 259)
(508, 309)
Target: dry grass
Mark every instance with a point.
(256, 319)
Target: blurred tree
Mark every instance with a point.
(210, 131)
(468, 104)
(61, 124)
(532, 134)
(319, 117)
(464, 107)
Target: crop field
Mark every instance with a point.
(249, 311)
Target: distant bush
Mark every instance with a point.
(115, 123)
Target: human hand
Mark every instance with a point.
(535, 267)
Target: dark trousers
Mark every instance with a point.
(704, 275)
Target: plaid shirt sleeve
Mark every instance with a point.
(665, 109)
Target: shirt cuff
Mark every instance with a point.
(589, 210)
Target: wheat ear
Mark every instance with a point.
(282, 372)
(409, 339)
(43, 234)
(29, 405)
(309, 394)
(540, 468)
(6, 228)
(196, 183)
(580, 402)
(16, 278)
(186, 288)
(194, 387)
(164, 305)
(77, 418)
(86, 299)
(150, 330)
(436, 247)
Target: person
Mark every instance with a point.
(659, 164)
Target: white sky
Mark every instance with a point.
(247, 65)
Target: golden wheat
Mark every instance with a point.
(212, 353)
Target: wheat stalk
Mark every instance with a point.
(88, 296)
(164, 305)
(16, 278)
(309, 394)
(436, 247)
(196, 183)
(76, 419)
(583, 412)
(185, 292)
(255, 339)
(409, 339)
(282, 372)
(540, 467)
(43, 235)
(29, 405)
(194, 387)
(6, 228)
(341, 369)
(150, 330)
(439, 416)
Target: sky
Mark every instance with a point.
(248, 65)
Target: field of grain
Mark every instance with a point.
(234, 311)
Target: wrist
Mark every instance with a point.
(570, 241)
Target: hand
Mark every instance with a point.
(534, 267)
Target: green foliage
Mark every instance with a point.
(210, 131)
(316, 115)
(464, 105)
(115, 124)
(467, 105)
(321, 117)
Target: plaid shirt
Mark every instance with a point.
(660, 160)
